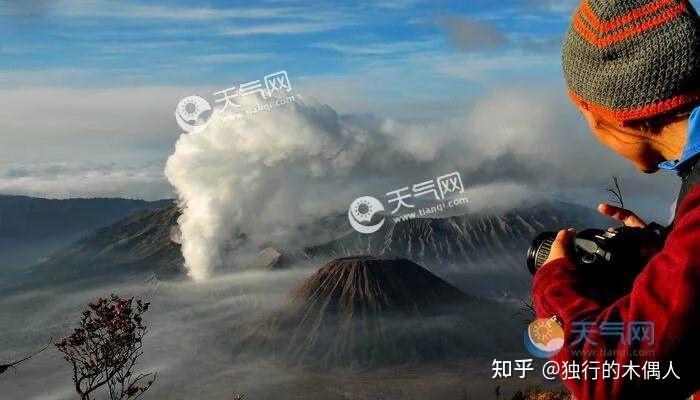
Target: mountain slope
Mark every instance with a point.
(139, 244)
(367, 285)
(369, 312)
(32, 228)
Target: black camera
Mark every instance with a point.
(595, 247)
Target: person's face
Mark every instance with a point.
(638, 147)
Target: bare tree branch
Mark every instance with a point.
(5, 367)
(616, 191)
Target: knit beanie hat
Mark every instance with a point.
(633, 59)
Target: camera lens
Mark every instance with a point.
(539, 250)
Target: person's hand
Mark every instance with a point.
(563, 245)
(627, 217)
(647, 247)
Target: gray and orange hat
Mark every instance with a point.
(633, 59)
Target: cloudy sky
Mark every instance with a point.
(89, 87)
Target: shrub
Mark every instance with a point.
(104, 349)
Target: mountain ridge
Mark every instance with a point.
(498, 240)
(140, 243)
(32, 228)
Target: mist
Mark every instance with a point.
(193, 328)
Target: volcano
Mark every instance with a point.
(368, 285)
(495, 242)
(366, 311)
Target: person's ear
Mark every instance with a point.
(591, 118)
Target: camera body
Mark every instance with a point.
(596, 247)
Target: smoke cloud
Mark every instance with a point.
(243, 183)
(251, 182)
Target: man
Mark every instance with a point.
(633, 69)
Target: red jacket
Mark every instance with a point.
(666, 292)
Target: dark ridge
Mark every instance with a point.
(141, 244)
(30, 218)
(34, 228)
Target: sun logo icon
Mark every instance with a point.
(361, 212)
(190, 113)
(544, 337)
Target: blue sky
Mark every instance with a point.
(105, 43)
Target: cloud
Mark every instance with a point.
(395, 4)
(227, 58)
(284, 28)
(541, 45)
(78, 115)
(63, 142)
(376, 49)
(477, 33)
(123, 46)
(559, 6)
(79, 179)
(24, 9)
(468, 35)
(489, 69)
(40, 77)
(106, 9)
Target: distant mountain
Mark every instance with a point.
(141, 244)
(30, 218)
(491, 241)
(480, 253)
(497, 239)
(32, 228)
(369, 312)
